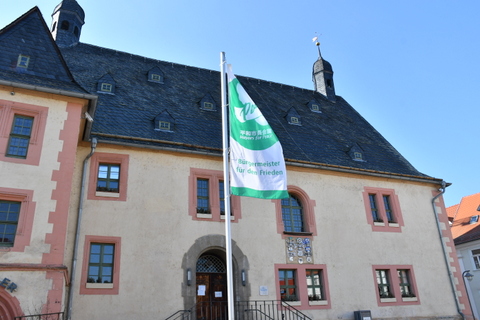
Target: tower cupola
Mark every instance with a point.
(67, 21)
(323, 77)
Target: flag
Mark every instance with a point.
(257, 166)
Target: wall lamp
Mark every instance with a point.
(467, 275)
(189, 277)
(244, 278)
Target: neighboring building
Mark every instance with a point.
(143, 188)
(41, 123)
(466, 235)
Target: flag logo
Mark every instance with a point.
(256, 156)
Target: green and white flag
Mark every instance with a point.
(257, 166)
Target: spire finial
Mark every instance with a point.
(317, 43)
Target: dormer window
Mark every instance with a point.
(106, 87)
(357, 156)
(23, 61)
(474, 219)
(164, 125)
(208, 106)
(314, 106)
(207, 103)
(164, 122)
(356, 153)
(293, 117)
(155, 75)
(106, 84)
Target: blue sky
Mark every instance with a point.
(409, 67)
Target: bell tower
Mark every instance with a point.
(323, 77)
(67, 21)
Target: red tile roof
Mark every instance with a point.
(462, 230)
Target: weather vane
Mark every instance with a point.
(317, 43)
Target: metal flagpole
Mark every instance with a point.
(226, 177)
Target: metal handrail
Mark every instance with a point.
(44, 316)
(261, 312)
(182, 314)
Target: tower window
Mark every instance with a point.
(65, 25)
(76, 32)
(329, 83)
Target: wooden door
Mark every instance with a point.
(212, 296)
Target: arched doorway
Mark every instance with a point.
(211, 280)
(213, 244)
(9, 306)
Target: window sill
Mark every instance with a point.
(394, 225)
(318, 302)
(293, 303)
(388, 299)
(107, 194)
(204, 215)
(90, 285)
(222, 217)
(298, 233)
(409, 299)
(379, 224)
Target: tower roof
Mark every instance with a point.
(70, 5)
(322, 65)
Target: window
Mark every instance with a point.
(9, 214)
(288, 286)
(17, 211)
(23, 61)
(101, 265)
(206, 196)
(155, 77)
(292, 215)
(20, 136)
(208, 106)
(202, 196)
(383, 282)
(383, 209)
(295, 214)
(395, 285)
(314, 285)
(21, 132)
(315, 107)
(304, 286)
(476, 258)
(294, 120)
(357, 156)
(106, 87)
(65, 25)
(108, 177)
(164, 125)
(474, 219)
(405, 284)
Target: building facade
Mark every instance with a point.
(141, 199)
(466, 236)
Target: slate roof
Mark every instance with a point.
(462, 230)
(126, 117)
(29, 35)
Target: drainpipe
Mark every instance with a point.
(445, 254)
(77, 232)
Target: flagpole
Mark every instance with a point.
(226, 177)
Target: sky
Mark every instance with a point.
(411, 68)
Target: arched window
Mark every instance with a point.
(292, 214)
(296, 213)
(65, 25)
